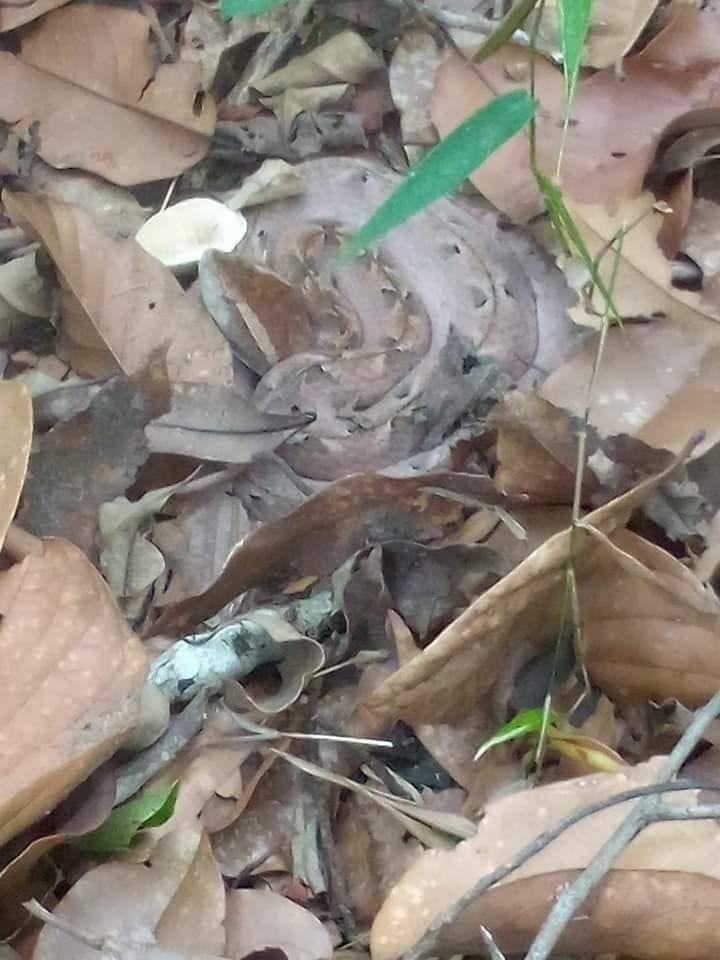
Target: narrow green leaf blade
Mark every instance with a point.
(446, 166)
(512, 21)
(574, 19)
(523, 723)
(246, 8)
(571, 237)
(148, 809)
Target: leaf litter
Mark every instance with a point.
(294, 521)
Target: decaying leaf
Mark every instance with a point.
(15, 442)
(68, 706)
(346, 57)
(321, 533)
(674, 860)
(657, 381)
(259, 920)
(85, 76)
(127, 302)
(273, 180)
(458, 669)
(177, 902)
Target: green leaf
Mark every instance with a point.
(512, 21)
(245, 8)
(571, 238)
(446, 166)
(574, 19)
(151, 808)
(523, 723)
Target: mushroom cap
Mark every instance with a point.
(179, 235)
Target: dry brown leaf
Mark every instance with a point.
(68, 706)
(86, 79)
(211, 422)
(345, 57)
(259, 920)
(273, 180)
(537, 449)
(198, 541)
(177, 901)
(15, 16)
(90, 459)
(505, 625)
(669, 863)
(617, 121)
(657, 381)
(321, 533)
(15, 442)
(650, 627)
(129, 303)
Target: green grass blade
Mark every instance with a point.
(511, 22)
(522, 724)
(574, 19)
(245, 8)
(446, 166)
(150, 808)
(571, 238)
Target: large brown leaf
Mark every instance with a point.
(15, 441)
(85, 80)
(514, 619)
(129, 303)
(73, 676)
(671, 864)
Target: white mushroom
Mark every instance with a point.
(179, 235)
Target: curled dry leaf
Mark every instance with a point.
(85, 76)
(650, 626)
(324, 531)
(128, 303)
(511, 621)
(176, 901)
(15, 443)
(179, 235)
(617, 121)
(294, 656)
(68, 706)
(346, 57)
(391, 349)
(273, 180)
(670, 862)
(657, 381)
(12, 17)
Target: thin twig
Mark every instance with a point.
(429, 940)
(575, 894)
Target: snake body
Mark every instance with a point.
(401, 342)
